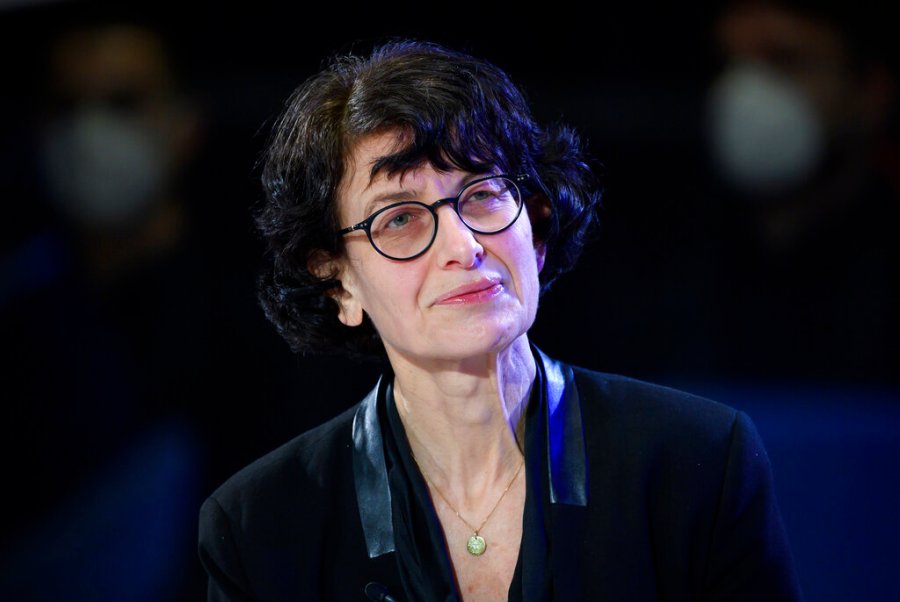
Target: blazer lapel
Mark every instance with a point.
(567, 459)
(373, 493)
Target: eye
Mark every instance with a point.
(480, 195)
(484, 198)
(487, 192)
(400, 220)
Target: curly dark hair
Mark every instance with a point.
(454, 111)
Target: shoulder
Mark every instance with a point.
(291, 474)
(698, 474)
(654, 412)
(267, 528)
(675, 447)
(667, 440)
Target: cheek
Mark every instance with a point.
(390, 294)
(529, 251)
(523, 262)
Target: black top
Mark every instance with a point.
(634, 492)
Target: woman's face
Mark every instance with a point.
(468, 295)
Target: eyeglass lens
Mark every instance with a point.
(407, 229)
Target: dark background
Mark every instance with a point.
(125, 406)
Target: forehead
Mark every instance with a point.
(363, 155)
(358, 184)
(357, 179)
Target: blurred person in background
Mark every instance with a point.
(107, 309)
(117, 136)
(800, 135)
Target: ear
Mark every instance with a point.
(540, 253)
(350, 311)
(325, 267)
(539, 210)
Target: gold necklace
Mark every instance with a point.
(475, 544)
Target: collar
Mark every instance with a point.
(567, 463)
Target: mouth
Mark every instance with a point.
(474, 292)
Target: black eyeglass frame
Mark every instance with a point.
(366, 224)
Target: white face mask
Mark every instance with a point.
(104, 169)
(765, 134)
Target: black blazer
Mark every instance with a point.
(654, 494)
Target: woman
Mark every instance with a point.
(414, 208)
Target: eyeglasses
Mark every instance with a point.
(406, 230)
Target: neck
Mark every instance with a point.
(462, 418)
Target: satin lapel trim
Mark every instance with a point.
(373, 493)
(566, 452)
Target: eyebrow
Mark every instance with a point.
(397, 196)
(386, 198)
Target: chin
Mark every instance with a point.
(458, 340)
(484, 340)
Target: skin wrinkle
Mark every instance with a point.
(443, 424)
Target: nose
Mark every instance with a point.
(454, 243)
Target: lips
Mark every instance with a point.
(472, 292)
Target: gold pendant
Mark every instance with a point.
(476, 545)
